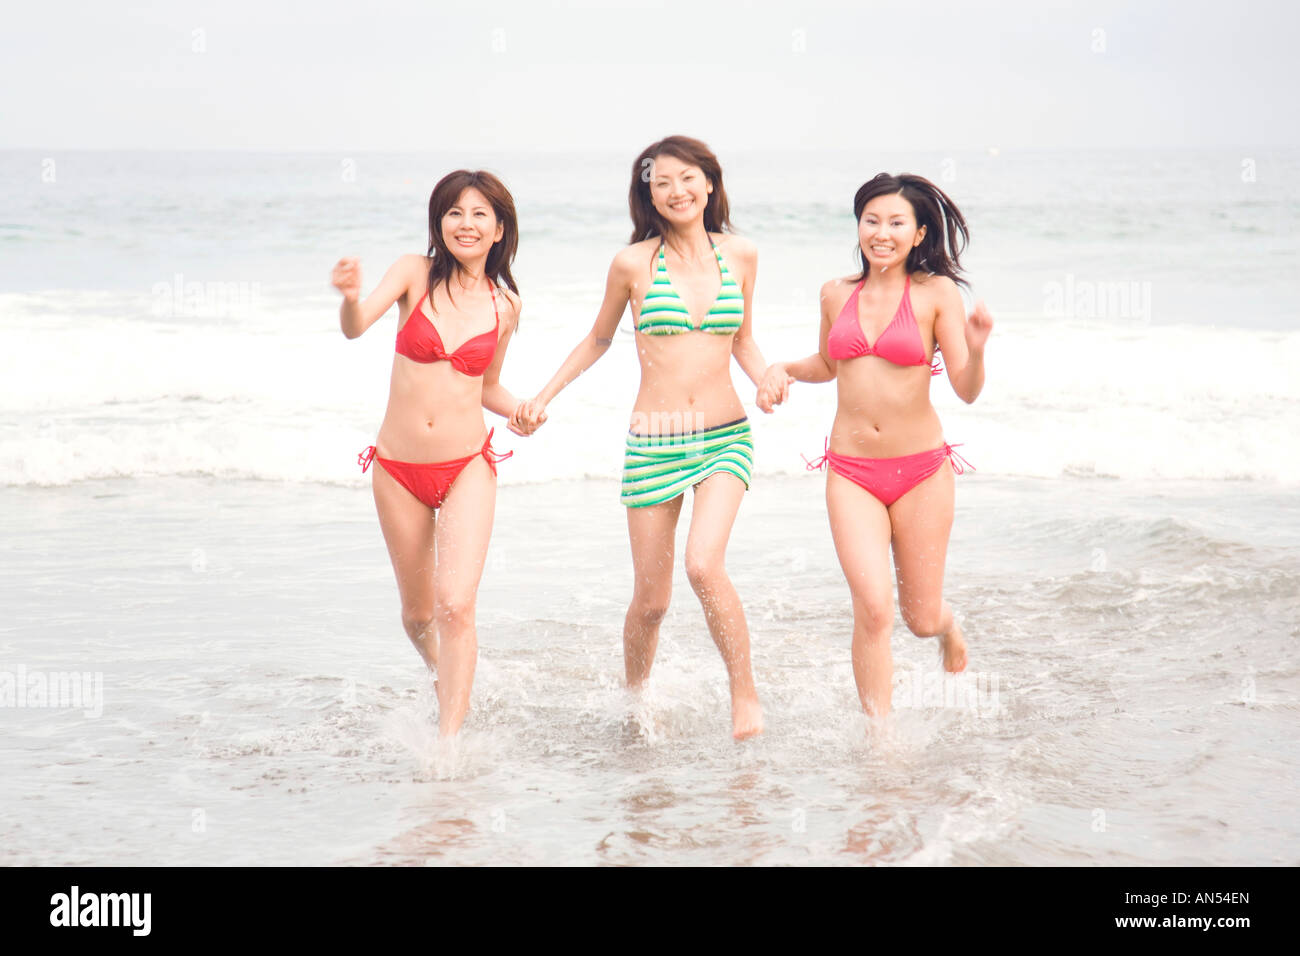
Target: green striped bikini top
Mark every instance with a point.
(664, 313)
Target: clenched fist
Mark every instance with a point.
(346, 277)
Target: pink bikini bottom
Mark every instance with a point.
(888, 479)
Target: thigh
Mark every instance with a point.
(464, 531)
(713, 514)
(652, 531)
(860, 530)
(408, 525)
(922, 521)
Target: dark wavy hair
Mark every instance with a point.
(502, 254)
(945, 228)
(646, 221)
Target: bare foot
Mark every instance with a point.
(746, 718)
(640, 719)
(953, 648)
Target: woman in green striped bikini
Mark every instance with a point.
(688, 427)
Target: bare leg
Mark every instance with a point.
(922, 522)
(717, 500)
(464, 529)
(860, 529)
(408, 526)
(651, 531)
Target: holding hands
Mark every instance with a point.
(529, 416)
(775, 388)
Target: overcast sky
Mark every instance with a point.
(950, 74)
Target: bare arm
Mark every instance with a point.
(743, 346)
(594, 344)
(356, 316)
(962, 342)
(496, 397)
(811, 368)
(818, 367)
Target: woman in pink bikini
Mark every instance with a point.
(886, 483)
(435, 479)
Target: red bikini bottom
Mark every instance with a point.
(888, 479)
(430, 481)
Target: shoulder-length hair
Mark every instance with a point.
(646, 221)
(445, 195)
(945, 228)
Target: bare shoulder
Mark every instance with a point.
(835, 292)
(413, 270)
(514, 304)
(936, 292)
(736, 247)
(841, 285)
(413, 264)
(636, 253)
(940, 287)
(633, 259)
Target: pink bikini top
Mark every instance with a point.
(419, 341)
(900, 343)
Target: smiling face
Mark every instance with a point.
(680, 192)
(470, 227)
(887, 231)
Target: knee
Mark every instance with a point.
(873, 616)
(648, 610)
(416, 621)
(924, 622)
(455, 613)
(704, 571)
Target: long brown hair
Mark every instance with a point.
(646, 221)
(938, 252)
(502, 254)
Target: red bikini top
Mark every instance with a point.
(419, 341)
(900, 343)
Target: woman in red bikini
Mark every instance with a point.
(886, 482)
(435, 479)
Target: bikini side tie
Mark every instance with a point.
(953, 458)
(493, 457)
(818, 464)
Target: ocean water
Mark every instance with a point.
(249, 698)
(170, 313)
(183, 517)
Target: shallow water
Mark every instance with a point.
(1131, 697)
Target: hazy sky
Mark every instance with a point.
(328, 75)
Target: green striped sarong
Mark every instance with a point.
(658, 468)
